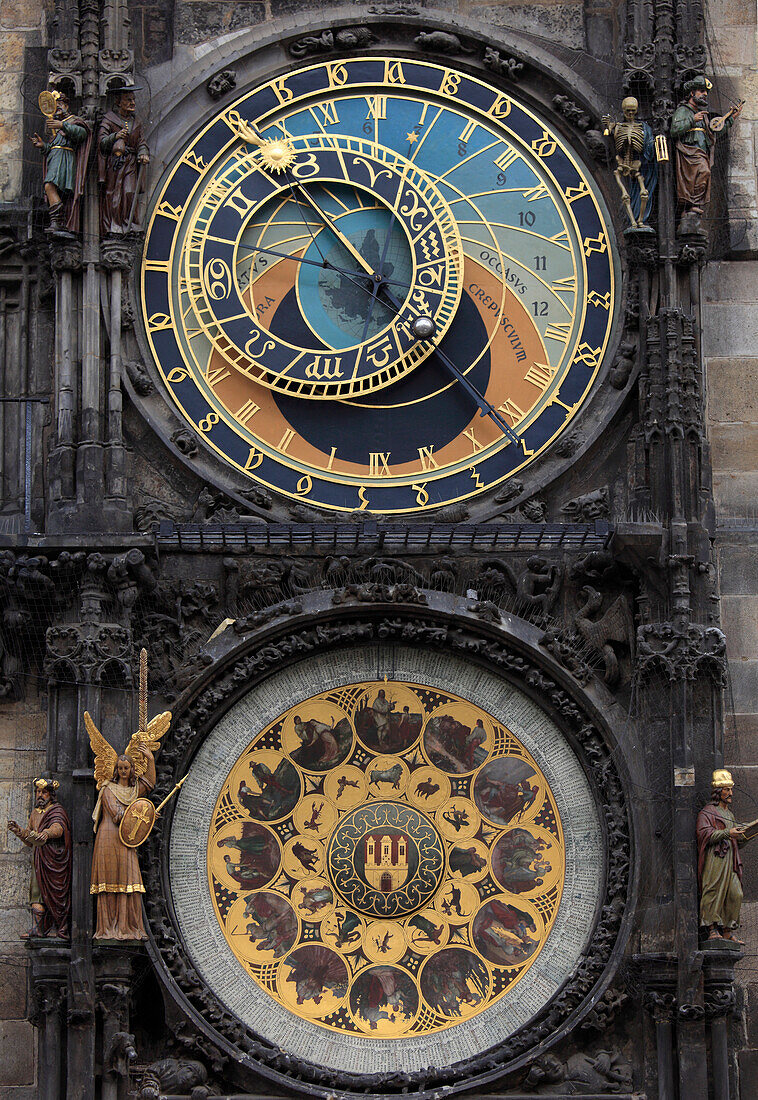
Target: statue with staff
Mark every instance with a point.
(64, 168)
(123, 819)
(122, 159)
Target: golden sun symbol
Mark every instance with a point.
(277, 154)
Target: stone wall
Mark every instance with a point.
(22, 757)
(730, 344)
(23, 23)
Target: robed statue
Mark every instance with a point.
(122, 780)
(719, 863)
(695, 133)
(122, 155)
(64, 168)
(48, 834)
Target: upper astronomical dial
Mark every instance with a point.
(402, 242)
(316, 227)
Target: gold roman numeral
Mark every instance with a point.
(427, 459)
(329, 116)
(286, 439)
(378, 464)
(469, 433)
(510, 408)
(506, 159)
(540, 375)
(559, 331)
(246, 412)
(377, 107)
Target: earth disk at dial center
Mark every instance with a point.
(386, 859)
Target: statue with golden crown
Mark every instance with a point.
(719, 839)
(123, 818)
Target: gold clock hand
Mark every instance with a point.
(485, 408)
(340, 236)
(315, 263)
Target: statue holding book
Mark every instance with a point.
(719, 839)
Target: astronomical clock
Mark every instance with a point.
(381, 284)
(378, 284)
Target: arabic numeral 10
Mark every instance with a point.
(526, 217)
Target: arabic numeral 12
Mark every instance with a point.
(539, 309)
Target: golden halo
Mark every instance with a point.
(277, 154)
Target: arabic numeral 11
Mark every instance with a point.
(539, 263)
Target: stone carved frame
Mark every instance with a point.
(541, 78)
(431, 620)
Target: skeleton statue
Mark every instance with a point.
(636, 170)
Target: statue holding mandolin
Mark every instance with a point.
(694, 134)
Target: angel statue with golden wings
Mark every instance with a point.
(116, 877)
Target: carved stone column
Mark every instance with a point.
(720, 1002)
(658, 979)
(117, 257)
(113, 972)
(66, 262)
(49, 969)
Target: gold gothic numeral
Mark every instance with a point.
(422, 497)
(501, 108)
(393, 73)
(595, 244)
(254, 459)
(544, 146)
(573, 194)
(166, 210)
(451, 82)
(600, 301)
(337, 74)
(587, 355)
(194, 161)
